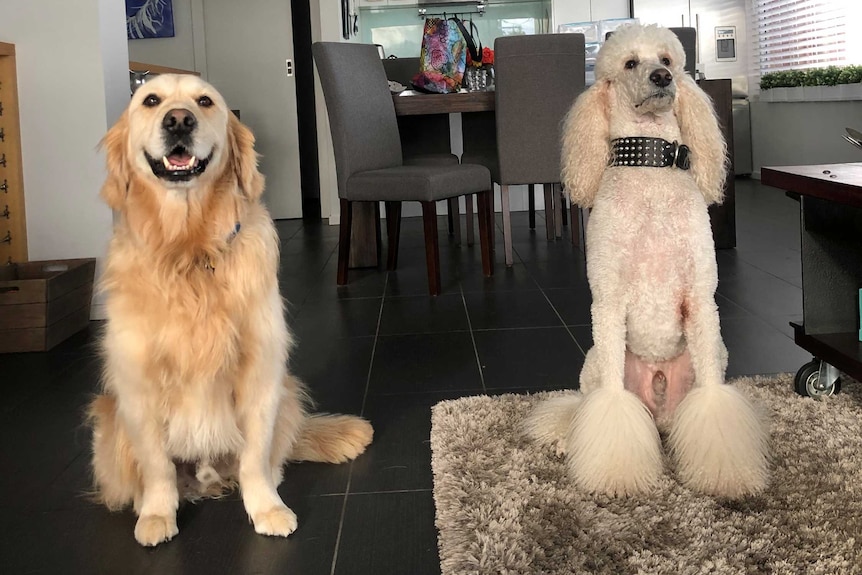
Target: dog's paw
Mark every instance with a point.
(150, 530)
(721, 443)
(613, 445)
(278, 521)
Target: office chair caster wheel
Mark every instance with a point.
(817, 379)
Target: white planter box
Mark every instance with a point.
(813, 93)
(850, 91)
(795, 94)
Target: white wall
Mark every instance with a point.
(326, 27)
(246, 51)
(72, 85)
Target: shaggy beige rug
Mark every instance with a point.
(506, 506)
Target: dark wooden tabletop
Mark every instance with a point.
(410, 103)
(840, 183)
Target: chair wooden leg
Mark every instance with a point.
(549, 212)
(492, 221)
(558, 212)
(432, 248)
(575, 217)
(486, 234)
(531, 206)
(564, 217)
(507, 224)
(377, 235)
(454, 219)
(393, 233)
(451, 216)
(469, 203)
(344, 230)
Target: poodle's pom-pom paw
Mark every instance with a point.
(549, 422)
(720, 443)
(613, 444)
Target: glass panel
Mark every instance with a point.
(399, 29)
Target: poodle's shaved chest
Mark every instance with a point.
(644, 234)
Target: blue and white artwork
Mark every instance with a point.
(149, 19)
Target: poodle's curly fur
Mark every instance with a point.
(658, 360)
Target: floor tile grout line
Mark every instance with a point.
(384, 492)
(361, 413)
(550, 303)
(374, 345)
(565, 325)
(473, 339)
(341, 522)
(319, 274)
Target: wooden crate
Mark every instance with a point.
(44, 303)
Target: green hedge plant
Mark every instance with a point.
(828, 76)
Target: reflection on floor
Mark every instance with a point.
(380, 347)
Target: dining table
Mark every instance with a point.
(412, 103)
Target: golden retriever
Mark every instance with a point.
(196, 394)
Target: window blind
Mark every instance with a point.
(798, 34)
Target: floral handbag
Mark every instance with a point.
(443, 59)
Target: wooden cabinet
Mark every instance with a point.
(831, 240)
(723, 216)
(13, 230)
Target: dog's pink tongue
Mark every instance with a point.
(179, 159)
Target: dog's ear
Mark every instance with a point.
(699, 129)
(115, 144)
(243, 158)
(585, 144)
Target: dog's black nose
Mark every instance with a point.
(661, 77)
(178, 121)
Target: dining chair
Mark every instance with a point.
(537, 78)
(434, 147)
(369, 164)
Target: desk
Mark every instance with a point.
(830, 198)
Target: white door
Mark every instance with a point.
(247, 46)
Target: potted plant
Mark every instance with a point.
(814, 84)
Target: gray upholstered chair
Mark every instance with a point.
(368, 158)
(537, 79)
(434, 147)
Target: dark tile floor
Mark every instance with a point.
(378, 347)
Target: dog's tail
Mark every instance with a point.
(332, 438)
(115, 473)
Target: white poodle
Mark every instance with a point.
(642, 148)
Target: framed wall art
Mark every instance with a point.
(149, 19)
